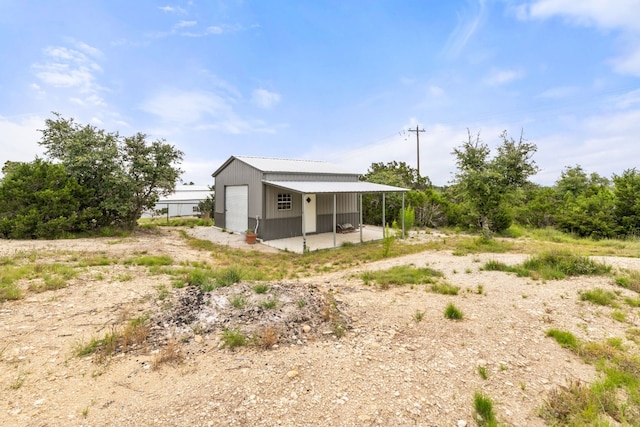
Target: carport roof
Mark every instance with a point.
(315, 187)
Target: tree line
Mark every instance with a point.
(91, 181)
(490, 193)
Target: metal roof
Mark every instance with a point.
(186, 193)
(274, 165)
(314, 187)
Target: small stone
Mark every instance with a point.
(292, 373)
(306, 329)
(198, 338)
(462, 423)
(38, 402)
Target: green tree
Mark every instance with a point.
(125, 175)
(486, 186)
(536, 206)
(397, 174)
(627, 202)
(40, 200)
(573, 181)
(586, 204)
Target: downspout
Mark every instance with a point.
(384, 220)
(360, 217)
(334, 220)
(304, 228)
(403, 214)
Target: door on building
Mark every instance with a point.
(309, 201)
(236, 204)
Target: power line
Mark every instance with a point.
(417, 130)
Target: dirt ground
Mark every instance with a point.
(386, 370)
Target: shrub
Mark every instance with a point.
(482, 371)
(445, 289)
(400, 275)
(559, 264)
(202, 279)
(483, 406)
(269, 304)
(238, 301)
(564, 338)
(229, 277)
(261, 289)
(233, 338)
(452, 312)
(598, 296)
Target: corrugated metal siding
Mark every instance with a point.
(325, 222)
(218, 219)
(344, 203)
(238, 173)
(310, 177)
(271, 204)
(280, 228)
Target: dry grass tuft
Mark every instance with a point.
(171, 354)
(267, 337)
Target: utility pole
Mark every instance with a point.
(417, 130)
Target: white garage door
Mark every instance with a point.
(237, 208)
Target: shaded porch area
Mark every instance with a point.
(318, 241)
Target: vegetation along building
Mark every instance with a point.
(285, 198)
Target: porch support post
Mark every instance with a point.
(304, 228)
(384, 220)
(334, 220)
(360, 194)
(403, 214)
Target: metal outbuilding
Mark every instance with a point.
(283, 198)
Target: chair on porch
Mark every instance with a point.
(345, 228)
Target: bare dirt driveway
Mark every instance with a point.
(387, 369)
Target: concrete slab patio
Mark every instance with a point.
(291, 244)
(325, 240)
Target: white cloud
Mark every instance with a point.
(629, 62)
(620, 15)
(605, 143)
(468, 24)
(559, 92)
(183, 24)
(605, 14)
(265, 99)
(186, 107)
(19, 139)
(499, 77)
(68, 68)
(201, 111)
(172, 9)
(436, 146)
(436, 90)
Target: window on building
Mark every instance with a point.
(195, 209)
(284, 202)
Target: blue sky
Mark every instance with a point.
(340, 81)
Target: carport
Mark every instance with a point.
(334, 188)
